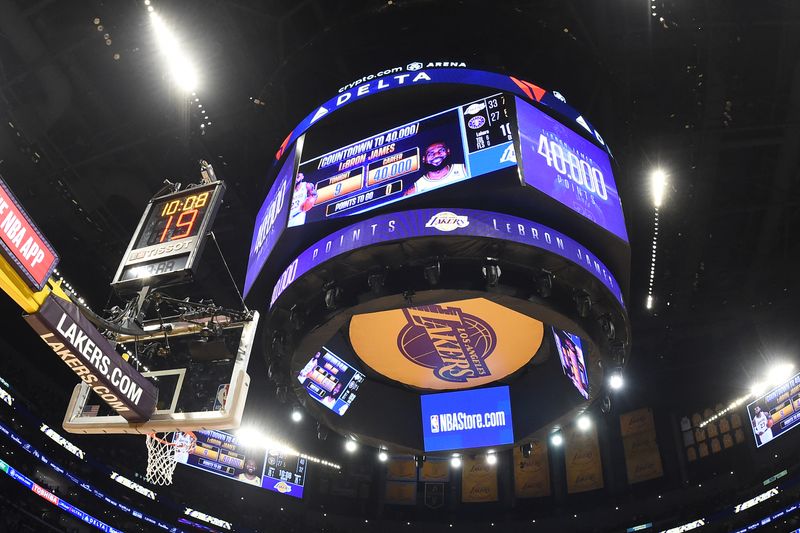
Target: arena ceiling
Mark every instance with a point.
(709, 91)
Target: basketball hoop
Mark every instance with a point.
(164, 452)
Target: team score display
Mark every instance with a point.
(393, 166)
(235, 462)
(396, 187)
(580, 171)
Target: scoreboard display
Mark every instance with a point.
(569, 169)
(284, 473)
(435, 151)
(222, 454)
(169, 238)
(331, 381)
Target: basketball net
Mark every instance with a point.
(164, 451)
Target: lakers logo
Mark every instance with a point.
(444, 338)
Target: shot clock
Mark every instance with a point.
(169, 238)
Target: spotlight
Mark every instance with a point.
(526, 449)
(433, 273)
(351, 446)
(455, 461)
(607, 327)
(544, 284)
(605, 405)
(616, 381)
(332, 296)
(383, 456)
(757, 389)
(491, 459)
(297, 416)
(779, 373)
(584, 422)
(250, 437)
(556, 439)
(183, 72)
(376, 281)
(491, 273)
(583, 303)
(658, 182)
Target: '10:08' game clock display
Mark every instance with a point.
(169, 237)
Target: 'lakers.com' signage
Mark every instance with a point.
(89, 354)
(445, 222)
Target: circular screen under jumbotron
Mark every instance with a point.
(451, 345)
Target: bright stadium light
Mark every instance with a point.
(383, 456)
(181, 68)
(779, 373)
(297, 416)
(351, 446)
(250, 437)
(556, 439)
(658, 181)
(616, 381)
(584, 422)
(455, 461)
(758, 388)
(491, 459)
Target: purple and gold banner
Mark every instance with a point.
(401, 492)
(532, 474)
(434, 469)
(445, 222)
(478, 481)
(642, 458)
(582, 456)
(401, 469)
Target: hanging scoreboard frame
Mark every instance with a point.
(179, 223)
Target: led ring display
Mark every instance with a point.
(437, 222)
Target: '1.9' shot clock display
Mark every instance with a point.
(169, 238)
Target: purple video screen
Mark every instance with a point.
(570, 351)
(270, 222)
(223, 454)
(331, 381)
(569, 169)
(436, 151)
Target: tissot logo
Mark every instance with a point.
(447, 221)
(453, 343)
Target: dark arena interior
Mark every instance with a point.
(399, 265)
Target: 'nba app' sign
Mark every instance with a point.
(450, 345)
(467, 419)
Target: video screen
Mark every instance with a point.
(270, 221)
(570, 351)
(423, 155)
(776, 412)
(467, 419)
(331, 381)
(569, 169)
(222, 454)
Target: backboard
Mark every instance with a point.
(200, 369)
